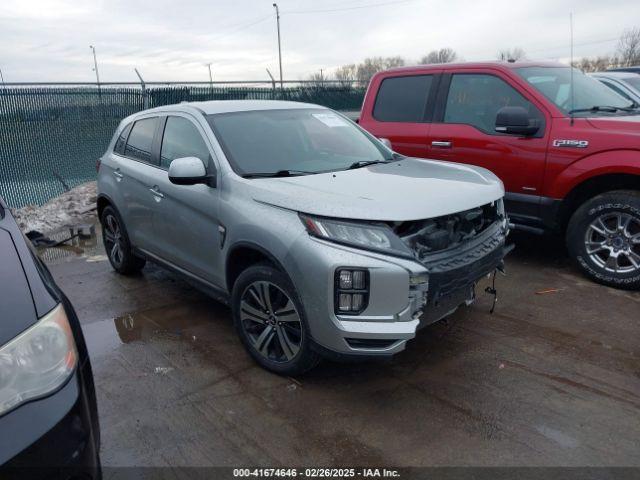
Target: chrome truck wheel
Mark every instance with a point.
(612, 241)
(603, 237)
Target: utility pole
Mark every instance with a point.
(275, 5)
(95, 64)
(1, 77)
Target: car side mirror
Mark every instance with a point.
(516, 121)
(386, 142)
(189, 171)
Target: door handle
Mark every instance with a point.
(118, 175)
(441, 144)
(156, 193)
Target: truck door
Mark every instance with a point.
(401, 111)
(463, 131)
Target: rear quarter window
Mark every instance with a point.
(122, 140)
(140, 140)
(403, 99)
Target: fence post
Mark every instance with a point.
(273, 83)
(145, 98)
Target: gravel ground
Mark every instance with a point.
(73, 207)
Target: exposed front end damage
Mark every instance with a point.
(457, 250)
(446, 257)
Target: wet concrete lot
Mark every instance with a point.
(548, 379)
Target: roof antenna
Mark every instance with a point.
(571, 66)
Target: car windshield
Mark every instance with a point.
(590, 97)
(294, 142)
(633, 81)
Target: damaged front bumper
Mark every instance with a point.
(405, 294)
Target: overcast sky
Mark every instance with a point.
(48, 40)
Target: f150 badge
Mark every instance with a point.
(571, 143)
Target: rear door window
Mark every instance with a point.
(182, 139)
(474, 99)
(140, 140)
(403, 99)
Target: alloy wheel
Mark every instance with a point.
(271, 321)
(113, 240)
(612, 242)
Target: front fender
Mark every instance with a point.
(598, 164)
(269, 229)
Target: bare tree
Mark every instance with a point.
(512, 54)
(596, 64)
(628, 49)
(317, 79)
(346, 74)
(444, 55)
(373, 65)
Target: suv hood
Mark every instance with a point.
(623, 124)
(409, 189)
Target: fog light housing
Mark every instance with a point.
(351, 290)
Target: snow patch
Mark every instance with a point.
(72, 207)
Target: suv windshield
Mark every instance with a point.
(293, 142)
(590, 97)
(633, 81)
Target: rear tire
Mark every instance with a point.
(117, 245)
(271, 321)
(603, 238)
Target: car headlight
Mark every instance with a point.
(37, 361)
(371, 236)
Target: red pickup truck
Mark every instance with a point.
(569, 157)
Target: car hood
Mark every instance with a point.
(623, 124)
(409, 189)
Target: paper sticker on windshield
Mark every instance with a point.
(330, 119)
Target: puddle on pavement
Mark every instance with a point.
(88, 245)
(200, 324)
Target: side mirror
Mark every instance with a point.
(516, 121)
(188, 171)
(386, 142)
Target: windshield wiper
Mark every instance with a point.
(602, 108)
(279, 173)
(364, 163)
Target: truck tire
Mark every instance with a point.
(271, 321)
(603, 238)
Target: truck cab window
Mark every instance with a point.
(403, 99)
(474, 99)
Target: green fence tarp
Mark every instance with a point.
(51, 137)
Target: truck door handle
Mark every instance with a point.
(441, 144)
(156, 193)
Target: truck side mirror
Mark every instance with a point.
(516, 121)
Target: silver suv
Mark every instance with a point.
(323, 240)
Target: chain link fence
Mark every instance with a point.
(51, 136)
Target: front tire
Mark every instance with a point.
(271, 321)
(117, 245)
(603, 237)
